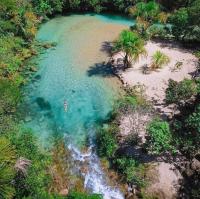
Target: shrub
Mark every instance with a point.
(131, 169)
(160, 137)
(159, 59)
(107, 142)
(193, 122)
(177, 91)
(157, 31)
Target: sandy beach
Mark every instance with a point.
(156, 82)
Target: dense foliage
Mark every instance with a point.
(178, 91)
(107, 142)
(186, 22)
(160, 137)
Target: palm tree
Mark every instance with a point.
(159, 59)
(7, 173)
(131, 44)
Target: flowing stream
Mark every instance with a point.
(75, 71)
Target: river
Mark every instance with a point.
(75, 71)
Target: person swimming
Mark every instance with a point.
(65, 105)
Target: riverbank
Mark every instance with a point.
(164, 178)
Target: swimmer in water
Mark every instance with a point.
(65, 105)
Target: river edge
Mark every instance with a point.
(164, 185)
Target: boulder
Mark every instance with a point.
(195, 165)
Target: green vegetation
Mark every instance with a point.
(186, 23)
(159, 60)
(178, 91)
(132, 170)
(107, 142)
(76, 195)
(132, 45)
(7, 161)
(160, 137)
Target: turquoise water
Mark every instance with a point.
(73, 71)
(76, 71)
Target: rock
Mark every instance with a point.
(33, 69)
(195, 165)
(27, 119)
(64, 192)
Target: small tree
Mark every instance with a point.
(131, 44)
(159, 59)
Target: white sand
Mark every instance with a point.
(156, 82)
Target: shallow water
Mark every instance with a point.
(74, 71)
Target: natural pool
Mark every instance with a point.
(76, 71)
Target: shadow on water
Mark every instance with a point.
(101, 69)
(107, 47)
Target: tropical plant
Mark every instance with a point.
(159, 59)
(146, 14)
(131, 44)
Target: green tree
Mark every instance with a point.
(131, 44)
(159, 59)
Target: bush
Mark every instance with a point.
(177, 91)
(157, 31)
(131, 169)
(193, 123)
(160, 137)
(107, 142)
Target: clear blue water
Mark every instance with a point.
(63, 75)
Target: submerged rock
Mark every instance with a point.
(33, 69)
(27, 119)
(43, 104)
